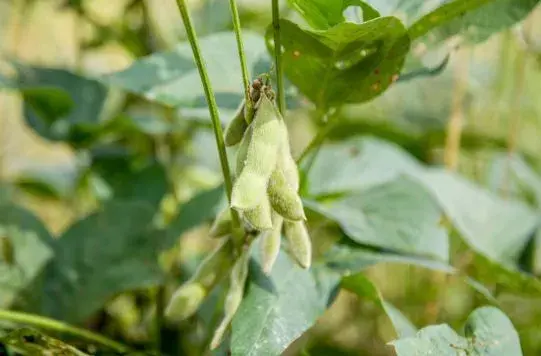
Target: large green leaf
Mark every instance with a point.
(110, 251)
(60, 105)
(31, 244)
(488, 332)
(474, 20)
(347, 63)
(493, 226)
(276, 309)
(398, 215)
(363, 287)
(356, 164)
(171, 78)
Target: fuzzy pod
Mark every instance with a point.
(283, 198)
(185, 302)
(270, 244)
(237, 126)
(223, 224)
(251, 185)
(300, 245)
(260, 218)
(238, 276)
(286, 160)
(215, 265)
(242, 152)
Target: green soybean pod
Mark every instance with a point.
(242, 152)
(251, 185)
(237, 126)
(238, 276)
(270, 244)
(300, 245)
(260, 218)
(189, 296)
(223, 225)
(286, 161)
(185, 302)
(283, 198)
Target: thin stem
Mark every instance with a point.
(240, 47)
(51, 324)
(280, 94)
(211, 100)
(456, 121)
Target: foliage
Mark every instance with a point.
(369, 80)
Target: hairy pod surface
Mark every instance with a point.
(283, 198)
(242, 152)
(223, 224)
(250, 186)
(238, 276)
(286, 160)
(212, 269)
(270, 244)
(260, 218)
(237, 126)
(300, 245)
(185, 302)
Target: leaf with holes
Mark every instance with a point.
(347, 63)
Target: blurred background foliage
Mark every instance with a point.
(142, 143)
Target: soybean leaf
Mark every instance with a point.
(48, 182)
(323, 14)
(276, 309)
(171, 78)
(487, 332)
(474, 20)
(363, 287)
(356, 164)
(110, 251)
(493, 226)
(27, 341)
(347, 63)
(60, 105)
(31, 246)
(398, 215)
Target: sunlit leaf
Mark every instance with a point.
(399, 215)
(348, 63)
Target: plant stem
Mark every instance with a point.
(211, 100)
(240, 47)
(51, 324)
(280, 94)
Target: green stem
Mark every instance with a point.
(240, 47)
(160, 308)
(278, 57)
(211, 100)
(51, 324)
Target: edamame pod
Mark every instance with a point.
(237, 126)
(300, 245)
(223, 225)
(242, 152)
(286, 161)
(185, 302)
(234, 296)
(251, 185)
(260, 218)
(270, 244)
(189, 296)
(284, 200)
